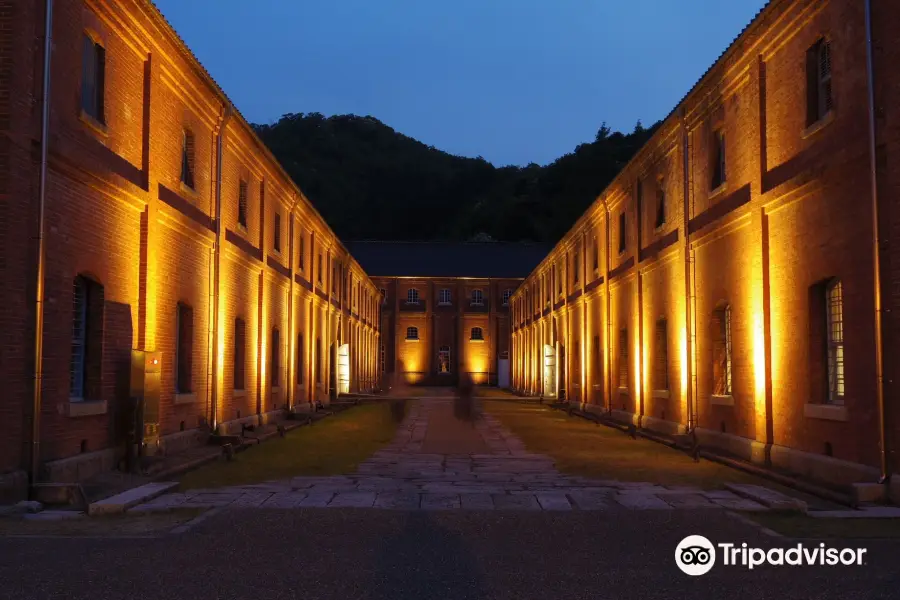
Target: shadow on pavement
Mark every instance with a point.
(425, 560)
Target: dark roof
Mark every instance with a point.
(497, 260)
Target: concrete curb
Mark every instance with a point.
(121, 502)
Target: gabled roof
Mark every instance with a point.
(498, 260)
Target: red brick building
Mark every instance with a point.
(445, 307)
(725, 282)
(166, 227)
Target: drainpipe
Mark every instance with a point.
(34, 468)
(292, 375)
(608, 316)
(217, 267)
(688, 288)
(876, 260)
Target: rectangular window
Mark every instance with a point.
(660, 205)
(661, 356)
(275, 365)
(242, 204)
(444, 359)
(319, 269)
(575, 265)
(187, 158)
(93, 76)
(276, 232)
(834, 302)
(240, 350)
(596, 360)
(87, 340)
(596, 248)
(444, 297)
(382, 357)
(300, 253)
(819, 99)
(624, 368)
(622, 236)
(719, 175)
(184, 348)
(319, 366)
(721, 326)
(298, 368)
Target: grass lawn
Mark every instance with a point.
(583, 448)
(804, 527)
(333, 446)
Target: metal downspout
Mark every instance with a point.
(35, 457)
(688, 288)
(217, 265)
(876, 259)
(607, 315)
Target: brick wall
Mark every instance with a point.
(793, 212)
(118, 213)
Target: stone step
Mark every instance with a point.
(769, 498)
(139, 495)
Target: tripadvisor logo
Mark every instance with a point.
(696, 555)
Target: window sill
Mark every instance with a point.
(659, 228)
(412, 303)
(411, 339)
(276, 252)
(623, 390)
(718, 191)
(719, 400)
(97, 128)
(85, 408)
(476, 341)
(445, 304)
(187, 398)
(239, 394)
(826, 412)
(477, 304)
(242, 228)
(818, 125)
(187, 190)
(660, 394)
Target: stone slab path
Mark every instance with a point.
(438, 463)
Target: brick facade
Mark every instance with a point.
(792, 218)
(445, 326)
(120, 214)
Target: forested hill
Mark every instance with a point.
(371, 182)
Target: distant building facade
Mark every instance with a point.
(725, 282)
(445, 307)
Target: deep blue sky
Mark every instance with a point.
(515, 81)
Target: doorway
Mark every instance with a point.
(549, 371)
(343, 369)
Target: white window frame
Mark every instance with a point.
(507, 294)
(445, 297)
(412, 296)
(477, 298)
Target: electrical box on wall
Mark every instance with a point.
(146, 367)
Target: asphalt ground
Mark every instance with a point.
(380, 554)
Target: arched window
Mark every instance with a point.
(412, 296)
(444, 359)
(477, 333)
(721, 330)
(477, 298)
(412, 333)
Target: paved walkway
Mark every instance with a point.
(437, 462)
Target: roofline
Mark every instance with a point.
(201, 71)
(441, 277)
(763, 12)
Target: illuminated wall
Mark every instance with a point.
(791, 213)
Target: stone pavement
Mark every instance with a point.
(483, 467)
